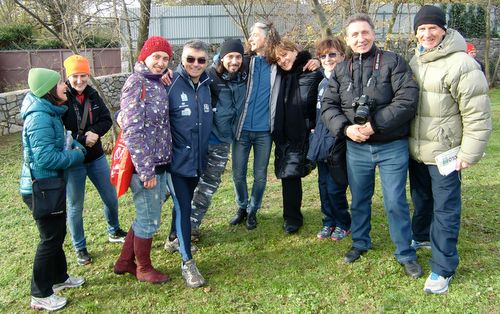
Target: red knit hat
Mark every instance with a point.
(154, 44)
(470, 47)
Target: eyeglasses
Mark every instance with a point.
(330, 55)
(201, 60)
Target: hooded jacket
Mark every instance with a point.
(43, 142)
(389, 85)
(146, 123)
(191, 120)
(228, 96)
(294, 119)
(454, 107)
(98, 120)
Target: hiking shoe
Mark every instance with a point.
(83, 257)
(325, 233)
(71, 282)
(51, 303)
(195, 234)
(173, 246)
(436, 283)
(353, 255)
(339, 233)
(420, 244)
(192, 275)
(413, 269)
(118, 236)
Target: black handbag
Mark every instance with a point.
(48, 196)
(336, 162)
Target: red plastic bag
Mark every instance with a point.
(121, 167)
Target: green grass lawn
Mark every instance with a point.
(264, 270)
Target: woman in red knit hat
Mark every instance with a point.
(146, 132)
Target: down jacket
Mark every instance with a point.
(454, 107)
(294, 119)
(43, 142)
(146, 124)
(391, 87)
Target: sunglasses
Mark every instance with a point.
(201, 60)
(330, 55)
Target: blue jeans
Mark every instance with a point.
(392, 160)
(334, 205)
(437, 202)
(261, 143)
(98, 173)
(148, 204)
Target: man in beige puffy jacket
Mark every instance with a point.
(453, 110)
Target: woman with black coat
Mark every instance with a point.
(294, 119)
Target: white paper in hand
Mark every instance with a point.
(446, 161)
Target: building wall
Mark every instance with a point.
(10, 103)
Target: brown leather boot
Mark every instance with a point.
(145, 271)
(126, 263)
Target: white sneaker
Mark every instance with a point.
(71, 282)
(173, 246)
(436, 284)
(192, 275)
(51, 303)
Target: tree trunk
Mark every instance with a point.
(392, 21)
(487, 45)
(143, 33)
(317, 9)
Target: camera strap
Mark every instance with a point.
(375, 72)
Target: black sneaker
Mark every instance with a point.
(251, 221)
(413, 269)
(83, 257)
(117, 237)
(353, 255)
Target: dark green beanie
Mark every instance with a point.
(41, 81)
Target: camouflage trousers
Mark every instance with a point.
(218, 154)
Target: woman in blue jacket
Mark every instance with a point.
(45, 157)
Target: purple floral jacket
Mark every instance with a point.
(146, 124)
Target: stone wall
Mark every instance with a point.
(10, 103)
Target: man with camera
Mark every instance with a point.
(370, 100)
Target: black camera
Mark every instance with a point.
(362, 109)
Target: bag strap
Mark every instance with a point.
(86, 106)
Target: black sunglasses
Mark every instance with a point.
(331, 55)
(201, 60)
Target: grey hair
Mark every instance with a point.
(264, 26)
(195, 44)
(359, 17)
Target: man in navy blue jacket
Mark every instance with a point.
(190, 121)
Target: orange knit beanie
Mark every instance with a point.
(76, 64)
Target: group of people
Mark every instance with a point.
(344, 113)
